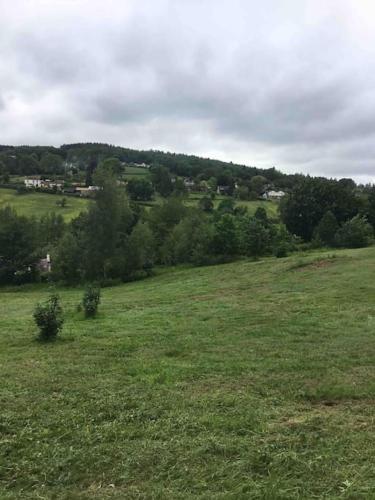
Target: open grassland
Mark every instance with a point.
(246, 380)
(38, 204)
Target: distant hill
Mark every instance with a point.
(27, 160)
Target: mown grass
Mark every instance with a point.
(38, 204)
(246, 380)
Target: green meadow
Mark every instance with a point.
(135, 172)
(35, 204)
(246, 380)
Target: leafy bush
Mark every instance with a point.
(206, 204)
(91, 301)
(281, 250)
(355, 233)
(48, 317)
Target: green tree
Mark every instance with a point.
(326, 229)
(114, 165)
(242, 193)
(255, 238)
(91, 167)
(190, 240)
(142, 248)
(226, 206)
(51, 163)
(4, 173)
(179, 188)
(225, 235)
(67, 259)
(51, 227)
(27, 164)
(49, 318)
(354, 233)
(311, 198)
(91, 301)
(162, 219)
(18, 244)
(261, 215)
(212, 183)
(162, 180)
(371, 207)
(107, 224)
(206, 204)
(140, 189)
(258, 184)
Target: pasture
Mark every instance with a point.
(36, 204)
(245, 380)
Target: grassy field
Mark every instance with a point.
(247, 380)
(38, 204)
(135, 172)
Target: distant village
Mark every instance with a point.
(79, 189)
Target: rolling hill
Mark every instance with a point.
(245, 380)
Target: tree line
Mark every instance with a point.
(117, 239)
(328, 212)
(30, 160)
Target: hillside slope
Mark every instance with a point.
(246, 380)
(38, 204)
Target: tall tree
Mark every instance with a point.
(17, 244)
(326, 229)
(162, 180)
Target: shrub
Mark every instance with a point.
(206, 204)
(91, 301)
(48, 317)
(354, 233)
(281, 250)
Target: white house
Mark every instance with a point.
(273, 195)
(33, 182)
(189, 183)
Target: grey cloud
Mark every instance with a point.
(256, 83)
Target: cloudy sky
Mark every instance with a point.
(289, 83)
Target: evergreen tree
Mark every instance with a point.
(162, 180)
(67, 260)
(326, 229)
(17, 244)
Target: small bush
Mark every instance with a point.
(48, 317)
(281, 251)
(91, 301)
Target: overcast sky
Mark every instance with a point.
(289, 83)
